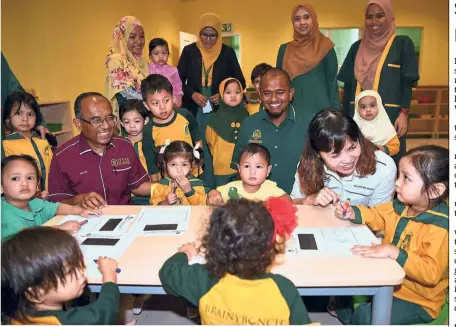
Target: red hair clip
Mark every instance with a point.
(283, 212)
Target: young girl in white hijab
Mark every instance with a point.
(373, 121)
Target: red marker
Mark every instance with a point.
(82, 223)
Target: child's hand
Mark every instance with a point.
(88, 212)
(376, 251)
(43, 195)
(189, 249)
(70, 226)
(184, 183)
(178, 102)
(171, 198)
(324, 197)
(107, 267)
(344, 211)
(214, 198)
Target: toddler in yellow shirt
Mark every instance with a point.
(254, 167)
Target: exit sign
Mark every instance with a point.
(227, 28)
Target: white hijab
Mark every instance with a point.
(379, 130)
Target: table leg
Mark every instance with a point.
(381, 306)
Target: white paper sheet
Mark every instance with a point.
(153, 217)
(94, 224)
(92, 252)
(333, 241)
(207, 107)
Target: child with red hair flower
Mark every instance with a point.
(235, 285)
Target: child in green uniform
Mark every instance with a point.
(254, 106)
(42, 268)
(178, 186)
(254, 167)
(223, 128)
(133, 117)
(22, 116)
(20, 182)
(416, 228)
(167, 124)
(235, 286)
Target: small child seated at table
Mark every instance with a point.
(42, 268)
(20, 183)
(416, 228)
(179, 186)
(241, 245)
(254, 167)
(374, 123)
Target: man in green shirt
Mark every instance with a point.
(280, 127)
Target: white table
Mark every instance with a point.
(325, 275)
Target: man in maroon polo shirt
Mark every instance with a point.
(96, 168)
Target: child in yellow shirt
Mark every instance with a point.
(22, 115)
(253, 106)
(223, 129)
(179, 186)
(133, 117)
(167, 124)
(254, 167)
(416, 236)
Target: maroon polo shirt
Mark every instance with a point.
(76, 169)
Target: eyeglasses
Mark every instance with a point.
(97, 122)
(211, 37)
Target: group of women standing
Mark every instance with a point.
(381, 61)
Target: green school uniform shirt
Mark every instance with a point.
(285, 143)
(182, 127)
(101, 312)
(269, 299)
(15, 219)
(399, 73)
(317, 89)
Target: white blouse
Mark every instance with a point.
(368, 190)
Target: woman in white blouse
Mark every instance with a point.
(339, 164)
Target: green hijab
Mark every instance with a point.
(227, 120)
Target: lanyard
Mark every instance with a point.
(206, 74)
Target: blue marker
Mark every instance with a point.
(117, 270)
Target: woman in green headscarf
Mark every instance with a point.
(223, 128)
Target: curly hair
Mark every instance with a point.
(328, 131)
(239, 240)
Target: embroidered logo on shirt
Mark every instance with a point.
(83, 172)
(46, 151)
(405, 244)
(186, 132)
(256, 137)
(120, 161)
